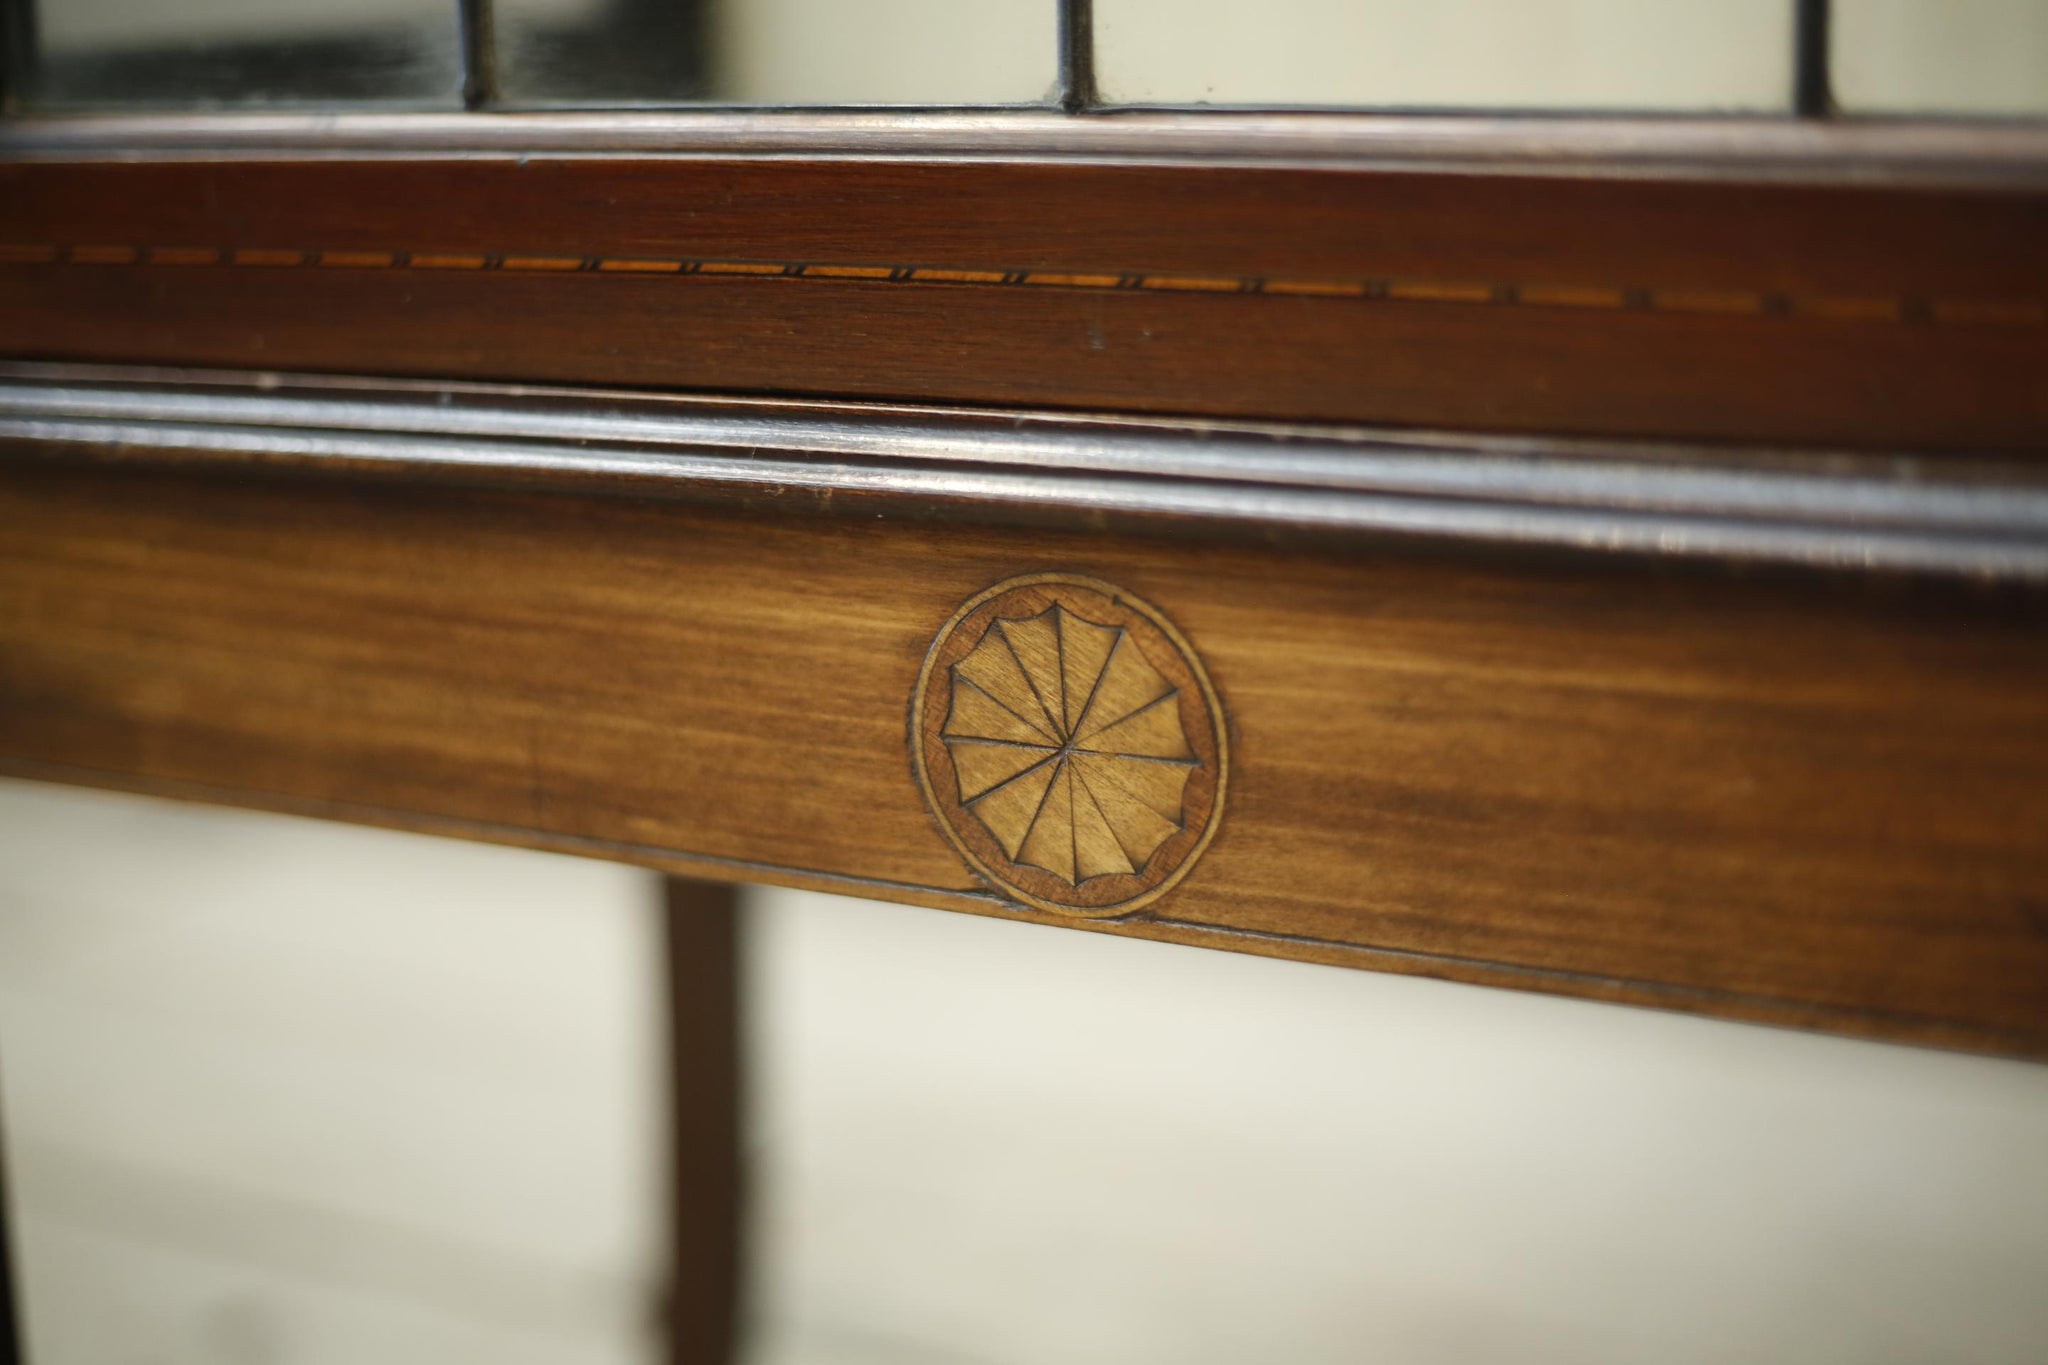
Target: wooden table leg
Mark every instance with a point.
(704, 1076)
(12, 1350)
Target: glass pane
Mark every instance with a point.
(1561, 54)
(203, 52)
(885, 51)
(599, 51)
(1941, 56)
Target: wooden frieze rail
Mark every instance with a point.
(1757, 735)
(1596, 556)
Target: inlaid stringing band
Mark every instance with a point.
(1460, 293)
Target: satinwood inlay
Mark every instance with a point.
(1070, 744)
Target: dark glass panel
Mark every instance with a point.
(167, 53)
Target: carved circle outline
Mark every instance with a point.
(946, 811)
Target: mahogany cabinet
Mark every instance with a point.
(1598, 557)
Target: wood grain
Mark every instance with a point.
(11, 1347)
(706, 1166)
(1811, 800)
(1874, 315)
(1070, 744)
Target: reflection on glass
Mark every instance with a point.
(1553, 54)
(800, 52)
(592, 52)
(1941, 56)
(885, 51)
(142, 53)
(1938, 56)
(203, 52)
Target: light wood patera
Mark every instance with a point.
(1070, 744)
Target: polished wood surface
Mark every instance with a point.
(1982, 520)
(1813, 799)
(1662, 623)
(10, 1316)
(706, 1217)
(1882, 315)
(1730, 149)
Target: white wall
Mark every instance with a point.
(1007, 1144)
(278, 1091)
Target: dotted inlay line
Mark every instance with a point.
(1462, 293)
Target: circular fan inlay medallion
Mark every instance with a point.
(1070, 744)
